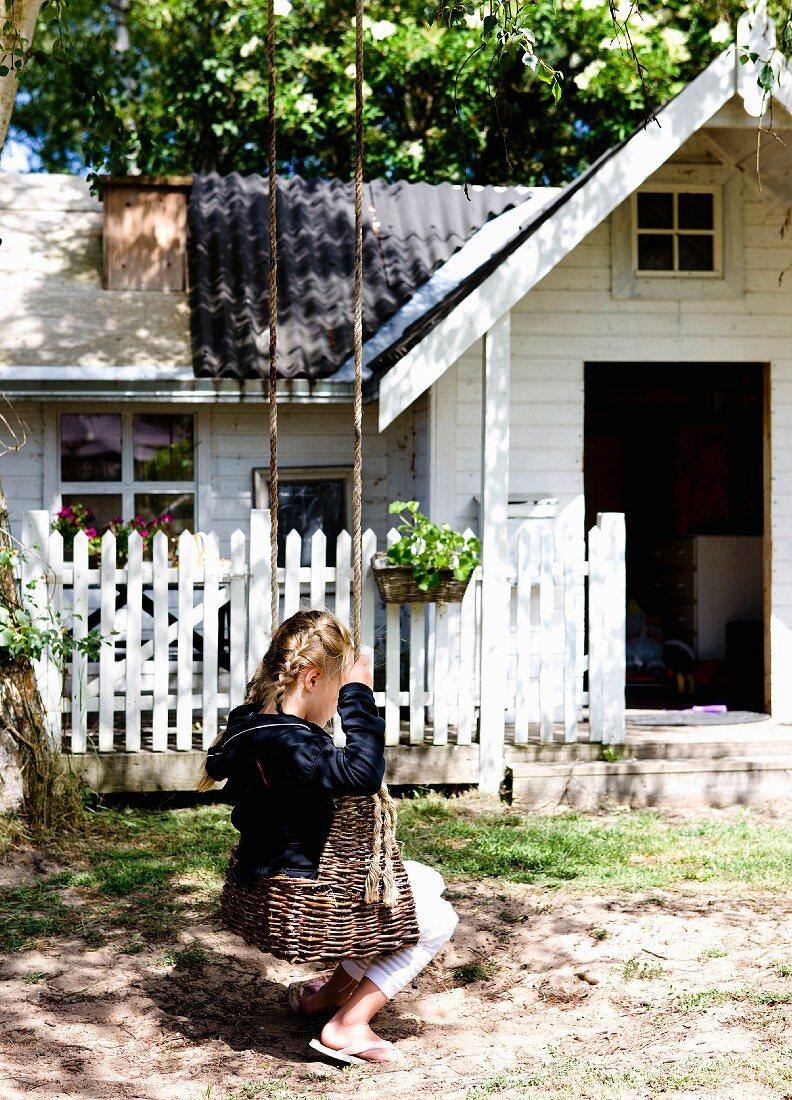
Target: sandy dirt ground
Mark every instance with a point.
(605, 979)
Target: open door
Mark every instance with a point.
(681, 450)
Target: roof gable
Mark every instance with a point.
(561, 224)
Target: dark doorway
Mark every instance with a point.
(679, 449)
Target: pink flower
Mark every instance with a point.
(144, 533)
(90, 532)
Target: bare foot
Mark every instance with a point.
(337, 1036)
(323, 997)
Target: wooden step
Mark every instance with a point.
(750, 780)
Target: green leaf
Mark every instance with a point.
(766, 77)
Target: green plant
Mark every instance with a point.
(634, 968)
(26, 633)
(190, 959)
(609, 754)
(427, 548)
(473, 972)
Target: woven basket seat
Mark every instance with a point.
(324, 920)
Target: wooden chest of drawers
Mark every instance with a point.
(704, 582)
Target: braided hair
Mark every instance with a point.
(315, 638)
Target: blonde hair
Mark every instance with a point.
(308, 638)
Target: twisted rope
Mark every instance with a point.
(381, 866)
(273, 317)
(357, 483)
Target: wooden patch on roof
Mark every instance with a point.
(145, 235)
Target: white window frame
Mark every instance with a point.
(127, 487)
(261, 483)
(728, 282)
(716, 233)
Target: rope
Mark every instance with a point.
(273, 317)
(357, 485)
(381, 866)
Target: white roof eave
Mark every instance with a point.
(484, 244)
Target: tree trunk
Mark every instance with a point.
(22, 15)
(49, 793)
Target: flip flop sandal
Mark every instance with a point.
(298, 991)
(348, 1055)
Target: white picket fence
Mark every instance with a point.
(182, 638)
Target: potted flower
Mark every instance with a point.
(79, 517)
(146, 528)
(74, 518)
(427, 563)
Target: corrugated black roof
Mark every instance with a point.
(409, 230)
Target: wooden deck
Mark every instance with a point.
(657, 764)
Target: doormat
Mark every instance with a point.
(695, 718)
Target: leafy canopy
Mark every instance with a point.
(180, 85)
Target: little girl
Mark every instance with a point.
(283, 771)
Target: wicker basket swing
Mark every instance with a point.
(360, 905)
(326, 919)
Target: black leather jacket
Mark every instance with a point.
(283, 773)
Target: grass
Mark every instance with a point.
(628, 850)
(473, 972)
(190, 960)
(138, 876)
(645, 971)
(571, 1078)
(707, 998)
(253, 1090)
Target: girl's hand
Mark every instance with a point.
(360, 671)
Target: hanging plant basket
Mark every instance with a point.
(396, 584)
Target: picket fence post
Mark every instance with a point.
(211, 614)
(133, 639)
(607, 629)
(159, 719)
(79, 673)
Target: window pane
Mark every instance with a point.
(104, 506)
(655, 210)
(695, 210)
(163, 447)
(655, 252)
(90, 447)
(179, 506)
(696, 253)
(308, 506)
